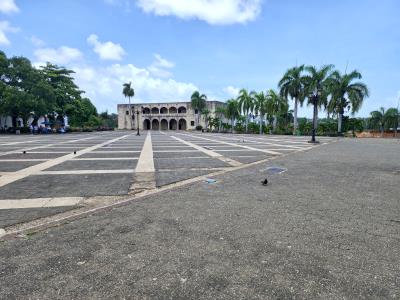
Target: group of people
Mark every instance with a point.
(34, 129)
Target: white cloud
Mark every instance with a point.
(215, 12)
(104, 85)
(107, 50)
(37, 42)
(231, 91)
(8, 6)
(63, 55)
(159, 66)
(6, 27)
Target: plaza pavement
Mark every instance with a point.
(45, 175)
(327, 228)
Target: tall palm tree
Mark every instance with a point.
(129, 92)
(345, 94)
(275, 105)
(292, 85)
(316, 90)
(220, 112)
(246, 104)
(260, 101)
(199, 102)
(232, 111)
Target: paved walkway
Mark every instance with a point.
(48, 174)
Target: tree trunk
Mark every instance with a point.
(247, 121)
(261, 124)
(315, 117)
(232, 121)
(381, 131)
(340, 118)
(274, 123)
(295, 122)
(130, 112)
(220, 125)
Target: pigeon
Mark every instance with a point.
(265, 181)
(24, 152)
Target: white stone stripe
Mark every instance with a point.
(122, 151)
(78, 172)
(146, 161)
(45, 145)
(237, 145)
(23, 159)
(4, 180)
(209, 152)
(40, 202)
(105, 158)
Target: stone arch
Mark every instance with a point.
(163, 110)
(164, 124)
(155, 124)
(173, 124)
(182, 110)
(146, 110)
(172, 110)
(155, 110)
(182, 124)
(146, 124)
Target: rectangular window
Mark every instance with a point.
(192, 123)
(127, 112)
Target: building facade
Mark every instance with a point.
(163, 116)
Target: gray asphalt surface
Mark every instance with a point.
(327, 228)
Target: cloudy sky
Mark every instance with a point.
(169, 48)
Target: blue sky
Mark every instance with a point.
(169, 48)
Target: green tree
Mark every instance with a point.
(392, 119)
(316, 88)
(232, 111)
(378, 119)
(220, 112)
(292, 85)
(260, 101)
(385, 119)
(199, 103)
(129, 92)
(345, 94)
(206, 115)
(246, 104)
(275, 105)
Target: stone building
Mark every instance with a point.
(163, 116)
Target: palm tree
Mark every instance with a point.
(232, 111)
(129, 92)
(345, 94)
(378, 118)
(206, 114)
(260, 101)
(316, 90)
(220, 112)
(199, 102)
(291, 85)
(275, 105)
(246, 104)
(392, 119)
(384, 119)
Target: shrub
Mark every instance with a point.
(199, 127)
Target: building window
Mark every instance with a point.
(127, 112)
(191, 123)
(196, 111)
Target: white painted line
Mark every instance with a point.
(39, 202)
(210, 153)
(146, 161)
(79, 172)
(112, 151)
(4, 180)
(237, 145)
